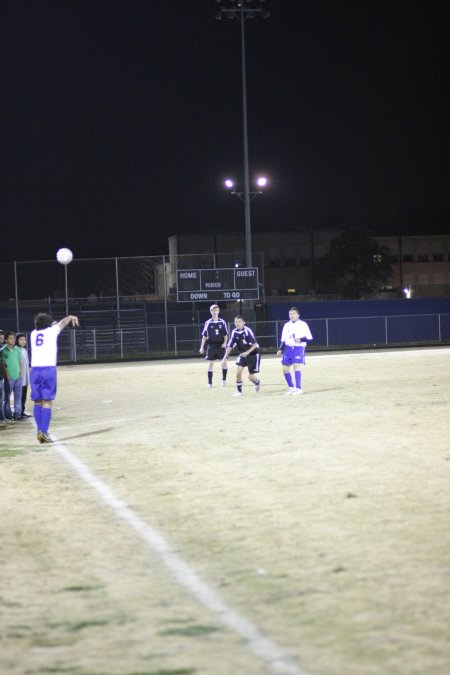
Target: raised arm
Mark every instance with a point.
(68, 319)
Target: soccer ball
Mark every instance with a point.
(64, 256)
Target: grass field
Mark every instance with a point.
(176, 530)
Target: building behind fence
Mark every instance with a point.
(128, 310)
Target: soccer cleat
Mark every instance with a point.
(257, 387)
(237, 394)
(209, 386)
(224, 383)
(290, 391)
(44, 437)
(296, 392)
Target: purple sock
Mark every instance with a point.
(46, 416)
(288, 378)
(37, 412)
(298, 379)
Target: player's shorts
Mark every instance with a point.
(251, 361)
(43, 383)
(292, 355)
(215, 352)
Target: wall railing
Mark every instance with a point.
(97, 344)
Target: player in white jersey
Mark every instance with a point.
(294, 339)
(44, 354)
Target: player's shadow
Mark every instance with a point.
(321, 391)
(280, 389)
(88, 433)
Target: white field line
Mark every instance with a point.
(200, 363)
(262, 646)
(417, 351)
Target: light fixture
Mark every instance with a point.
(260, 184)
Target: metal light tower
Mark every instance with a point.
(242, 10)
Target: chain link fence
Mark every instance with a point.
(183, 340)
(127, 309)
(106, 290)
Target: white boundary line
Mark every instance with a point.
(261, 646)
(418, 351)
(175, 363)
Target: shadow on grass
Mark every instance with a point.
(88, 433)
(190, 631)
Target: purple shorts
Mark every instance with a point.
(292, 355)
(43, 383)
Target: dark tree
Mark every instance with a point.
(355, 266)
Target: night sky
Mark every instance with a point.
(121, 118)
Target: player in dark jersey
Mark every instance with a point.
(214, 337)
(243, 339)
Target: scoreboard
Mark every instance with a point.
(234, 283)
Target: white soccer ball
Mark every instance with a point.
(64, 256)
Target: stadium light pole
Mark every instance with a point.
(243, 10)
